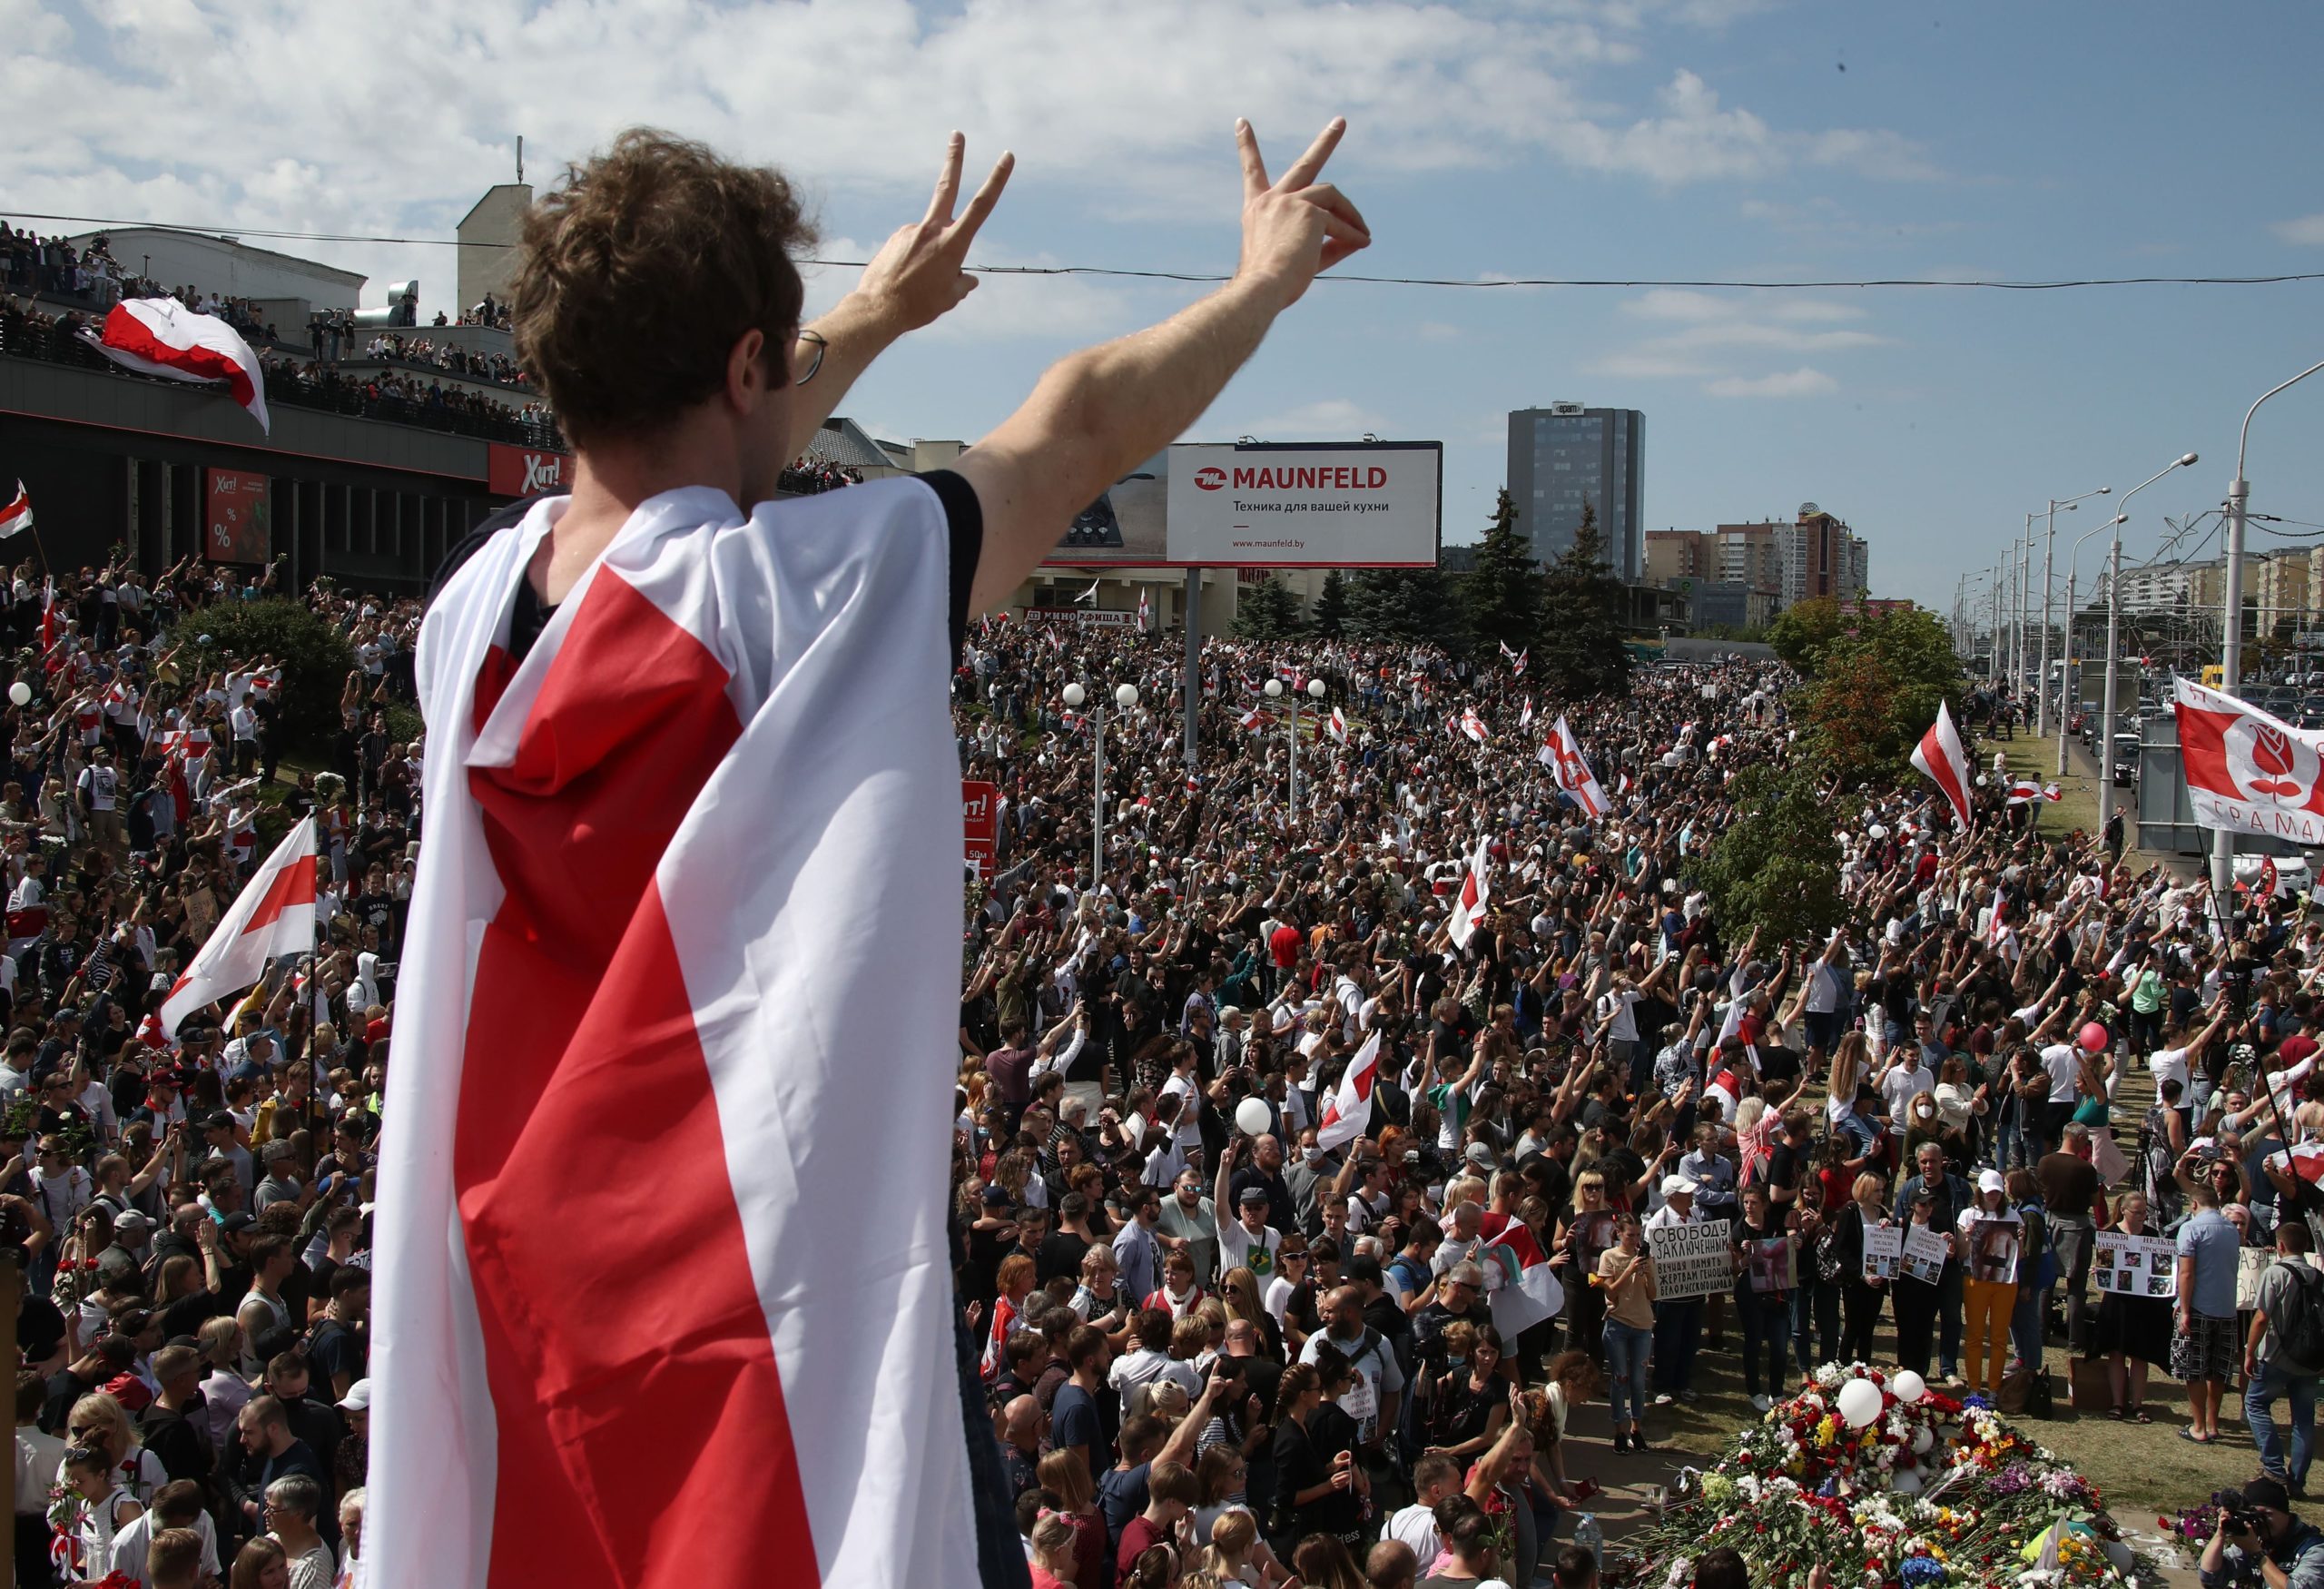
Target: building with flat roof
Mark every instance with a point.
(1565, 455)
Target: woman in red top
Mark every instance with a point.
(1053, 1560)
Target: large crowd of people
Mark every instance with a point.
(1256, 1354)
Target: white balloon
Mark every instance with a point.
(21, 693)
(1252, 1116)
(1906, 1483)
(1909, 1386)
(1860, 1401)
(1876, 831)
(1923, 1438)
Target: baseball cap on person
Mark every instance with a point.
(1480, 1154)
(1253, 1194)
(2267, 1493)
(218, 1120)
(357, 1398)
(237, 1220)
(1678, 1186)
(1990, 1180)
(996, 1196)
(131, 1219)
(277, 1150)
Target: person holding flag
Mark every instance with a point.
(1941, 759)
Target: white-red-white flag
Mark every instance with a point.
(1572, 770)
(2024, 791)
(1337, 726)
(1255, 719)
(1145, 614)
(274, 916)
(1941, 758)
(1347, 1112)
(1521, 1289)
(2248, 771)
(1469, 904)
(48, 613)
(1471, 725)
(17, 514)
(1525, 718)
(1518, 667)
(160, 336)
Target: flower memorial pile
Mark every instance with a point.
(1888, 1485)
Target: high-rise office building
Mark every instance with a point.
(1565, 455)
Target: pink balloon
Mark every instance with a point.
(2094, 1037)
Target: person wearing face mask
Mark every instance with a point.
(1306, 1176)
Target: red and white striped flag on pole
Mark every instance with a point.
(17, 514)
(1471, 725)
(1941, 758)
(1521, 1289)
(1348, 1111)
(1145, 614)
(1337, 726)
(48, 614)
(1563, 753)
(274, 916)
(160, 336)
(1469, 904)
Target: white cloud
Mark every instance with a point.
(1801, 382)
(2306, 229)
(1128, 109)
(1640, 365)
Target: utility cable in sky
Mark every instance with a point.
(1473, 282)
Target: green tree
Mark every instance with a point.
(1802, 630)
(315, 658)
(1778, 865)
(1404, 604)
(1501, 595)
(1876, 685)
(1329, 621)
(1266, 611)
(1584, 642)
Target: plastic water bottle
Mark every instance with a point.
(1590, 1538)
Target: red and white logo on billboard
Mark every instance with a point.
(525, 471)
(1210, 477)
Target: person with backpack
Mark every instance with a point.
(2283, 1355)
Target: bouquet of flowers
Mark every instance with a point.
(1923, 1492)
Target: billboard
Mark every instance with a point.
(524, 471)
(1267, 505)
(235, 518)
(979, 825)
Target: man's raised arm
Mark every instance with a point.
(1102, 412)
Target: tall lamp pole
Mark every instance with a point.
(2049, 552)
(2114, 644)
(2065, 664)
(1126, 697)
(1316, 692)
(2238, 495)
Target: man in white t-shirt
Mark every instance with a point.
(1436, 1478)
(1904, 1080)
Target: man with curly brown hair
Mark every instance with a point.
(684, 938)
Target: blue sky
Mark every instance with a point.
(1569, 138)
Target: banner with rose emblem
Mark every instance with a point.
(2247, 772)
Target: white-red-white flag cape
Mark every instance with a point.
(2248, 771)
(1941, 759)
(1469, 904)
(1520, 1288)
(1348, 1111)
(160, 336)
(649, 1024)
(274, 915)
(1573, 774)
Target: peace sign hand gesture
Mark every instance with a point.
(916, 276)
(1294, 228)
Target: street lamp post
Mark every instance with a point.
(2049, 552)
(2065, 664)
(2238, 495)
(1316, 692)
(1126, 697)
(2114, 644)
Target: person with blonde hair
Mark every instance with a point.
(1052, 1565)
(100, 1508)
(97, 1419)
(1069, 1496)
(1235, 1556)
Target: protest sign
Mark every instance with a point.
(1923, 1259)
(2137, 1266)
(1883, 1251)
(1690, 1260)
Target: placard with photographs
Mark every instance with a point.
(2136, 1266)
(1923, 1259)
(1992, 1251)
(1883, 1251)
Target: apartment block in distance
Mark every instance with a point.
(1565, 455)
